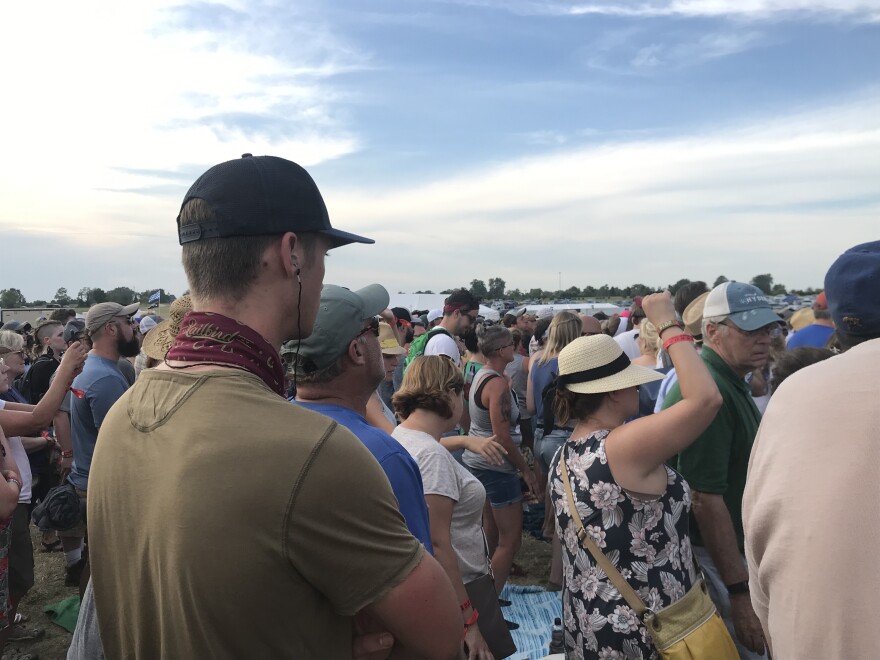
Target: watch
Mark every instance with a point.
(738, 588)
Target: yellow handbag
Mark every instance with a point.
(688, 629)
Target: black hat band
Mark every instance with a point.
(614, 367)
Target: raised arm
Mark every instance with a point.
(638, 450)
(30, 420)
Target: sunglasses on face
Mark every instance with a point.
(772, 330)
(373, 326)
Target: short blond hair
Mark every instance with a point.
(428, 384)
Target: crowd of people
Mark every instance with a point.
(285, 468)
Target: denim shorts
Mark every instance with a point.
(546, 446)
(502, 488)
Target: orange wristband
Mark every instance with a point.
(677, 338)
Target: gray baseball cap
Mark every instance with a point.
(341, 317)
(745, 305)
(100, 315)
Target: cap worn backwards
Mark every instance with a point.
(258, 196)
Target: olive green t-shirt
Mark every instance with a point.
(718, 460)
(225, 522)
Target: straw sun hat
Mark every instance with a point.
(597, 364)
(157, 342)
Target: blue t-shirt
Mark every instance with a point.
(102, 384)
(542, 374)
(400, 468)
(812, 335)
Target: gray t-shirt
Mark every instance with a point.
(443, 475)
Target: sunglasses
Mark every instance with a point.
(373, 326)
(771, 330)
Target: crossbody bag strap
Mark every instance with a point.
(619, 582)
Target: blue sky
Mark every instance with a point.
(615, 142)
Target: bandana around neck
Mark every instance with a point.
(210, 338)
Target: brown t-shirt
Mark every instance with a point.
(227, 523)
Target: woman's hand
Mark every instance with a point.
(658, 307)
(488, 448)
(477, 648)
(531, 481)
(73, 360)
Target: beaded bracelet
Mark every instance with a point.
(466, 604)
(674, 323)
(674, 340)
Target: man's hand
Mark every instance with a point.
(746, 624)
(372, 646)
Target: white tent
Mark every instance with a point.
(431, 301)
(580, 308)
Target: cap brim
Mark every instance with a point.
(128, 310)
(339, 238)
(755, 318)
(632, 376)
(375, 298)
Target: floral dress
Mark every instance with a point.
(647, 540)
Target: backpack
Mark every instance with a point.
(417, 347)
(25, 385)
(548, 398)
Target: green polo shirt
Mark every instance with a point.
(718, 460)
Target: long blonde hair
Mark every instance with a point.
(564, 328)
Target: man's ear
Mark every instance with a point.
(291, 254)
(356, 352)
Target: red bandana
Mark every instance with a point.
(211, 338)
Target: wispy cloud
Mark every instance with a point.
(859, 10)
(169, 83)
(702, 202)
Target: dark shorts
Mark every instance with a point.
(21, 553)
(502, 488)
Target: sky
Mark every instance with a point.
(539, 141)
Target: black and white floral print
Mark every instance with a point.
(646, 540)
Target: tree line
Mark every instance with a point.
(86, 297)
(497, 289)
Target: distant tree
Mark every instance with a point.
(572, 292)
(96, 296)
(478, 289)
(778, 290)
(719, 280)
(675, 287)
(763, 282)
(590, 291)
(536, 294)
(82, 298)
(122, 295)
(445, 292)
(638, 290)
(12, 298)
(425, 292)
(61, 297)
(496, 288)
(38, 303)
(516, 294)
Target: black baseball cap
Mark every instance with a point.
(258, 196)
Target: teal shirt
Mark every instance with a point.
(718, 460)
